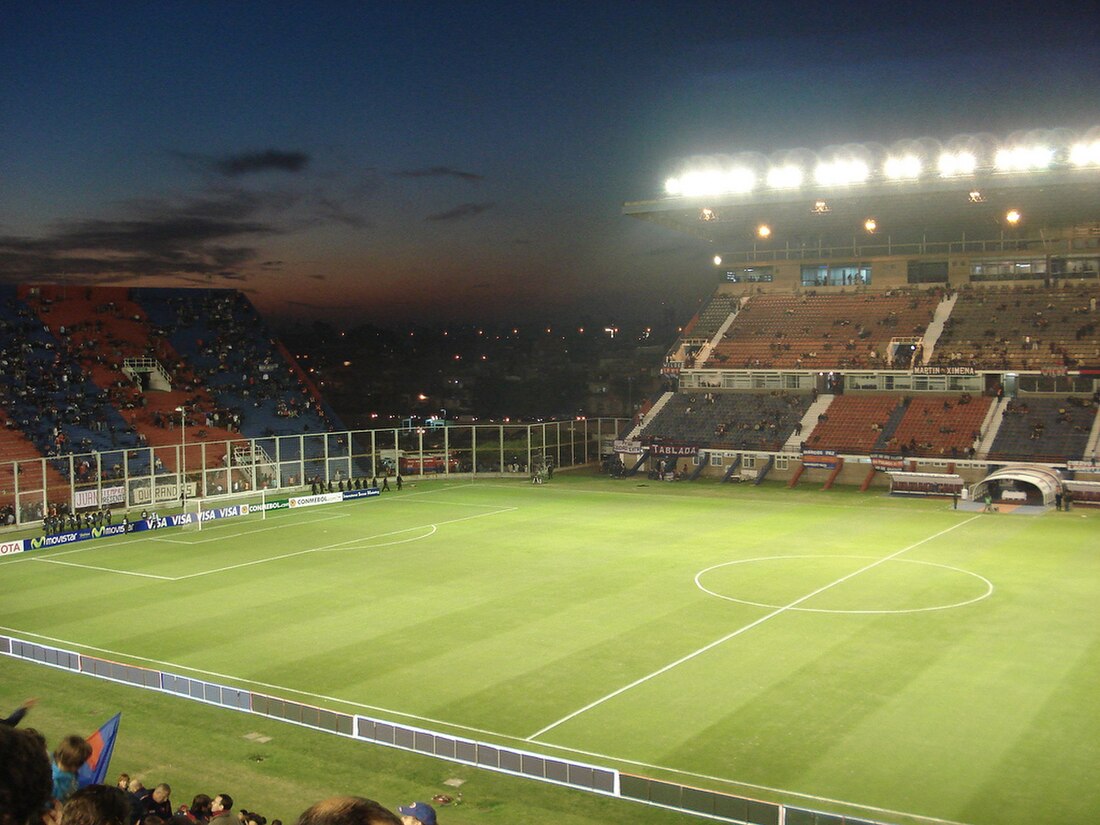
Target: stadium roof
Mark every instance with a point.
(936, 211)
(726, 201)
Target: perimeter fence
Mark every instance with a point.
(160, 476)
(584, 776)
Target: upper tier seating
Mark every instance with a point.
(1026, 328)
(821, 331)
(711, 317)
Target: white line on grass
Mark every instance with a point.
(101, 569)
(223, 536)
(250, 683)
(349, 544)
(744, 629)
(336, 546)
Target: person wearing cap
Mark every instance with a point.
(418, 813)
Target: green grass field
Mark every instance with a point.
(847, 652)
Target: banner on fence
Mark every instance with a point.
(884, 463)
(99, 498)
(8, 548)
(820, 459)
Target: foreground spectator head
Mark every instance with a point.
(418, 813)
(201, 807)
(26, 784)
(348, 810)
(222, 805)
(97, 805)
(124, 781)
(72, 753)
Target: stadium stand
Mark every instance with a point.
(1044, 429)
(760, 421)
(1021, 328)
(809, 331)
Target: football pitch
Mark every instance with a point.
(890, 659)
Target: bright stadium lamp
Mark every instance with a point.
(1023, 158)
(736, 180)
(905, 167)
(955, 164)
(1013, 216)
(717, 260)
(841, 172)
(1085, 154)
(784, 177)
(763, 231)
(870, 225)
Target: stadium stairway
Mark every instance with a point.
(991, 426)
(809, 421)
(935, 327)
(708, 348)
(649, 416)
(1094, 437)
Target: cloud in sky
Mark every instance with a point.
(463, 210)
(197, 236)
(269, 160)
(439, 172)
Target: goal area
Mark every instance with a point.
(234, 505)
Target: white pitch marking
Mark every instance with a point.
(480, 731)
(44, 560)
(777, 612)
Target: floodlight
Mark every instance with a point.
(1085, 154)
(1013, 216)
(905, 167)
(785, 177)
(841, 172)
(870, 225)
(737, 179)
(717, 260)
(953, 164)
(1023, 158)
(763, 231)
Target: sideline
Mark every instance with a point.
(251, 685)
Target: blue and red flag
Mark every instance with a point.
(94, 771)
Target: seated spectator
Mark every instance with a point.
(158, 803)
(348, 810)
(97, 805)
(220, 809)
(199, 809)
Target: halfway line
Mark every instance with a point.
(778, 611)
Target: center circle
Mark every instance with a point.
(891, 586)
